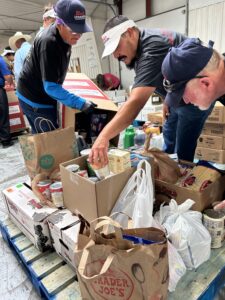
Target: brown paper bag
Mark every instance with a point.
(110, 267)
(43, 152)
(166, 169)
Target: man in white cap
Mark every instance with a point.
(19, 43)
(40, 82)
(144, 50)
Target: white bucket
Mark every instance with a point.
(214, 222)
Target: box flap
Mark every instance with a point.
(81, 85)
(63, 219)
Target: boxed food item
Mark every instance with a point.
(214, 155)
(217, 115)
(212, 142)
(64, 228)
(156, 118)
(29, 214)
(203, 199)
(214, 129)
(16, 117)
(119, 160)
(91, 199)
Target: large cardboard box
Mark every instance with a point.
(29, 214)
(214, 129)
(214, 192)
(217, 115)
(214, 155)
(91, 199)
(212, 142)
(82, 86)
(64, 229)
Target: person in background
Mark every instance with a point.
(5, 77)
(194, 72)
(144, 51)
(40, 82)
(8, 55)
(107, 81)
(49, 16)
(19, 43)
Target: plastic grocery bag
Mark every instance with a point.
(136, 199)
(186, 232)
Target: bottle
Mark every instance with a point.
(128, 140)
(139, 138)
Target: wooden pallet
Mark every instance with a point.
(48, 272)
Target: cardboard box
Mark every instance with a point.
(214, 129)
(217, 115)
(214, 192)
(64, 229)
(156, 118)
(214, 155)
(91, 199)
(82, 86)
(29, 214)
(212, 142)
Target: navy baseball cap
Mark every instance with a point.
(73, 14)
(181, 64)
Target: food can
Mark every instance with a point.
(90, 170)
(57, 193)
(73, 168)
(44, 188)
(85, 152)
(214, 222)
(83, 173)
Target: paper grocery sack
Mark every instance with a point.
(43, 152)
(110, 267)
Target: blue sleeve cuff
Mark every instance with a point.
(57, 92)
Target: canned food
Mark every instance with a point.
(94, 179)
(91, 172)
(83, 173)
(57, 193)
(73, 168)
(101, 173)
(43, 187)
(85, 152)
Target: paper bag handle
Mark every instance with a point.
(106, 221)
(83, 263)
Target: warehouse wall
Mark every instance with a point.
(207, 21)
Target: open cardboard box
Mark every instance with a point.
(214, 192)
(91, 199)
(82, 86)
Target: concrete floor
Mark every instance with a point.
(14, 283)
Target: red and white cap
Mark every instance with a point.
(112, 37)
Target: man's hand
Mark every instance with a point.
(88, 107)
(166, 111)
(98, 155)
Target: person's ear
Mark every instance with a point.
(206, 84)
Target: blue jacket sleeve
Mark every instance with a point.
(57, 92)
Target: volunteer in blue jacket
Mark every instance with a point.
(40, 82)
(5, 75)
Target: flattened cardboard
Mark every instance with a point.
(91, 199)
(29, 214)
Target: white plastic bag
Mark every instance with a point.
(136, 199)
(186, 232)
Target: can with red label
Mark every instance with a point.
(44, 188)
(57, 193)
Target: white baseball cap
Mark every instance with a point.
(112, 37)
(49, 14)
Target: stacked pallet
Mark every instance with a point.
(211, 143)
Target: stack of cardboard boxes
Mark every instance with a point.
(211, 143)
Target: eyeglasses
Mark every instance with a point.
(170, 87)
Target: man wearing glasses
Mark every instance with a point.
(40, 82)
(195, 73)
(144, 51)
